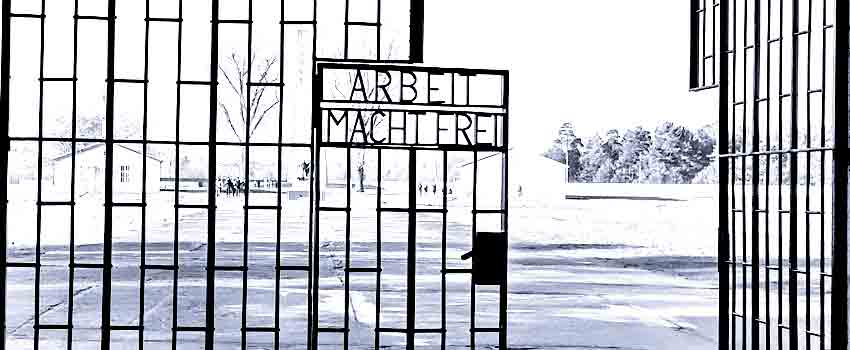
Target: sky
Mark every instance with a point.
(600, 64)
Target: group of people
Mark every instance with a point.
(231, 186)
(430, 189)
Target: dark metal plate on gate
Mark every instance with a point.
(489, 258)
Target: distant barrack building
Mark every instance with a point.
(89, 173)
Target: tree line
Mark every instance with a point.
(671, 154)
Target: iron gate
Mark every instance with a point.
(782, 78)
(439, 127)
(223, 128)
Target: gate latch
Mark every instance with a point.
(489, 258)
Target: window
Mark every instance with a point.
(125, 174)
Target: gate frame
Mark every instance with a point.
(317, 126)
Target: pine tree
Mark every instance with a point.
(636, 144)
(571, 146)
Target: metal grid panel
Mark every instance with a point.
(783, 228)
(109, 142)
(704, 32)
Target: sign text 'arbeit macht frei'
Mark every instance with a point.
(411, 106)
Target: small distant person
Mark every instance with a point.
(420, 189)
(519, 191)
(434, 188)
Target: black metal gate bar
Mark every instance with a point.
(39, 172)
(756, 210)
(247, 180)
(840, 169)
(5, 54)
(724, 262)
(503, 288)
(472, 241)
(106, 308)
(278, 184)
(175, 324)
(209, 332)
(411, 249)
(71, 245)
(317, 202)
(144, 198)
(443, 238)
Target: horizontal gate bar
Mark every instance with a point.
(261, 329)
(331, 330)
(409, 331)
(163, 19)
(190, 329)
(159, 142)
(363, 269)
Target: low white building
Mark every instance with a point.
(90, 166)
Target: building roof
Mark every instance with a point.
(98, 145)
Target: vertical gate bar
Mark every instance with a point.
(703, 41)
(443, 247)
(345, 37)
(209, 338)
(174, 321)
(714, 31)
(503, 291)
(71, 255)
(793, 210)
(278, 184)
(346, 279)
(808, 273)
(378, 248)
(822, 208)
(378, 30)
(693, 49)
(474, 230)
(840, 180)
(5, 55)
(730, 100)
(247, 174)
(106, 310)
(755, 285)
(315, 40)
(315, 194)
(411, 251)
(316, 182)
(723, 174)
(417, 30)
(39, 171)
(744, 241)
(144, 199)
(781, 170)
(767, 237)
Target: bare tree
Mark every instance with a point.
(359, 160)
(343, 88)
(251, 109)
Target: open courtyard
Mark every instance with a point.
(632, 271)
